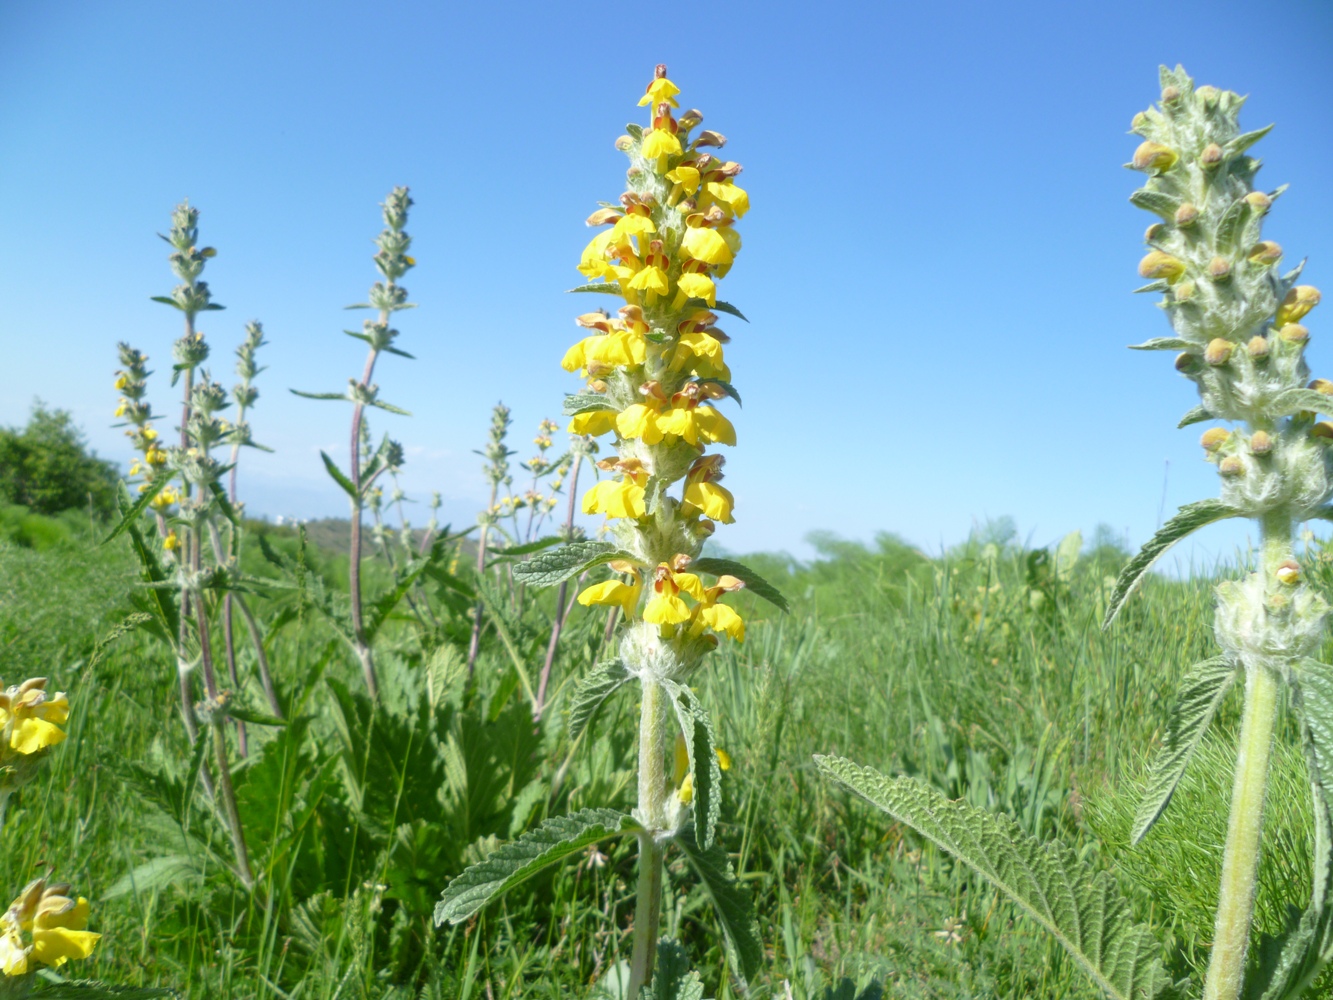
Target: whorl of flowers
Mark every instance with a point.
(1237, 319)
(44, 924)
(656, 370)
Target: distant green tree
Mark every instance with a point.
(47, 466)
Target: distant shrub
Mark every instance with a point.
(48, 468)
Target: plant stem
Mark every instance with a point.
(652, 814)
(475, 645)
(1240, 862)
(363, 651)
(560, 610)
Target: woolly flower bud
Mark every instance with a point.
(1218, 351)
(1289, 573)
(1322, 430)
(1231, 466)
(1266, 252)
(1321, 385)
(1155, 157)
(1161, 265)
(1214, 438)
(1299, 301)
(1186, 215)
(1294, 333)
(1257, 348)
(1259, 202)
(1211, 157)
(1219, 269)
(1261, 443)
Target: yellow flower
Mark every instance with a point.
(719, 617)
(164, 499)
(659, 146)
(615, 498)
(120, 408)
(666, 607)
(593, 422)
(13, 954)
(155, 456)
(686, 176)
(706, 245)
(729, 196)
(1299, 301)
(694, 285)
(614, 593)
(122, 380)
(714, 501)
(723, 759)
(58, 931)
(660, 91)
(171, 542)
(31, 718)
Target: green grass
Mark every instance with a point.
(946, 669)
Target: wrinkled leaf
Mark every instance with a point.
(601, 682)
(754, 583)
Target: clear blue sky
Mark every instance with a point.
(937, 266)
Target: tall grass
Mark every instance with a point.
(945, 668)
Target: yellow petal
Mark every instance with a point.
(639, 421)
(715, 501)
(650, 279)
(661, 89)
(594, 422)
(620, 348)
(31, 735)
(704, 244)
(611, 593)
(658, 146)
(632, 225)
(686, 177)
(577, 356)
(55, 708)
(13, 956)
(58, 945)
(679, 422)
(729, 195)
(713, 426)
(698, 286)
(689, 583)
(723, 759)
(721, 618)
(666, 609)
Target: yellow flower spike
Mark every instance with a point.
(594, 422)
(639, 420)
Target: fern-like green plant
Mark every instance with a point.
(1236, 322)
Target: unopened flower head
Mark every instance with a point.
(45, 925)
(656, 373)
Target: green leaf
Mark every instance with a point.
(1243, 142)
(1160, 285)
(1156, 202)
(320, 395)
(1161, 344)
(401, 354)
(731, 904)
(166, 301)
(338, 476)
(754, 583)
(1230, 225)
(87, 989)
(1080, 908)
(585, 402)
(673, 979)
(224, 504)
(634, 131)
(727, 387)
(1188, 519)
(384, 604)
(599, 684)
(556, 565)
(1201, 692)
(1289, 963)
(605, 287)
(1195, 416)
(380, 404)
(254, 718)
(725, 307)
(516, 862)
(130, 515)
(1295, 400)
(701, 745)
(528, 547)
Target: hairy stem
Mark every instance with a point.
(363, 651)
(560, 609)
(1240, 862)
(652, 814)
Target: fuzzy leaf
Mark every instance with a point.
(1195, 416)
(701, 744)
(754, 583)
(605, 287)
(1243, 142)
(1230, 225)
(597, 685)
(165, 300)
(1289, 963)
(518, 861)
(1161, 344)
(389, 407)
(528, 547)
(673, 979)
(1188, 519)
(320, 395)
(130, 515)
(1080, 908)
(338, 476)
(1160, 285)
(585, 402)
(556, 565)
(1201, 692)
(1295, 400)
(726, 307)
(731, 904)
(1156, 202)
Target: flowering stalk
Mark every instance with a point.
(387, 297)
(654, 372)
(496, 471)
(1237, 324)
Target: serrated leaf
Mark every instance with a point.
(1161, 344)
(224, 504)
(724, 307)
(701, 744)
(338, 476)
(731, 904)
(1201, 692)
(599, 684)
(754, 583)
(585, 402)
(673, 979)
(1244, 141)
(1288, 963)
(131, 514)
(320, 395)
(1296, 400)
(1080, 908)
(1195, 416)
(1188, 519)
(604, 287)
(1156, 202)
(518, 861)
(553, 566)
